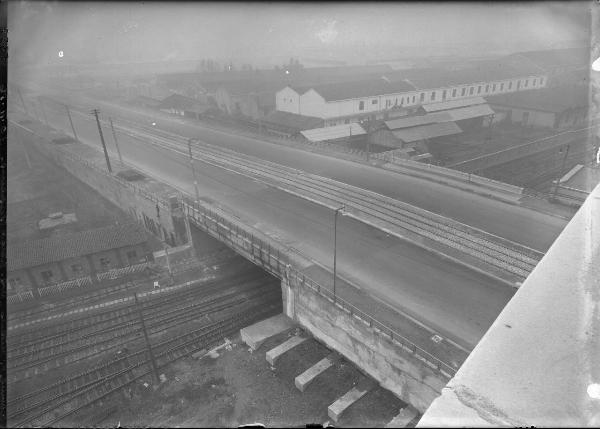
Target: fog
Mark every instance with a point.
(262, 33)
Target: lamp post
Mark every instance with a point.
(343, 207)
(193, 169)
(561, 173)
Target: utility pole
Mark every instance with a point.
(335, 248)
(115, 139)
(71, 122)
(43, 111)
(152, 359)
(95, 113)
(164, 240)
(193, 170)
(19, 140)
(22, 101)
(561, 173)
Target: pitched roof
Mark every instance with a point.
(476, 72)
(427, 131)
(178, 101)
(453, 104)
(413, 121)
(469, 112)
(554, 100)
(357, 89)
(334, 132)
(548, 59)
(53, 249)
(292, 121)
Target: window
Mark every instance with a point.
(518, 85)
(387, 103)
(13, 283)
(422, 97)
(502, 86)
(463, 91)
(76, 268)
(361, 105)
(533, 82)
(493, 87)
(444, 94)
(105, 263)
(526, 83)
(132, 254)
(346, 121)
(374, 102)
(397, 102)
(432, 95)
(47, 276)
(471, 90)
(487, 88)
(509, 86)
(414, 98)
(541, 81)
(454, 92)
(479, 89)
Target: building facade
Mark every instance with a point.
(38, 263)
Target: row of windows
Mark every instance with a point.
(76, 269)
(464, 91)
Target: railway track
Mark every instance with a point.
(512, 260)
(86, 337)
(51, 404)
(392, 214)
(21, 316)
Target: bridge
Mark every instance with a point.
(416, 259)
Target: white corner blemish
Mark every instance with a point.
(593, 391)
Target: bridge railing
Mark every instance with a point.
(277, 262)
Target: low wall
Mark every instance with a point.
(153, 212)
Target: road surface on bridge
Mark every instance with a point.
(456, 302)
(520, 224)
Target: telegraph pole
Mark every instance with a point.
(43, 111)
(115, 139)
(22, 101)
(561, 173)
(95, 113)
(152, 359)
(193, 170)
(343, 207)
(71, 122)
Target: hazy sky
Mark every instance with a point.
(138, 31)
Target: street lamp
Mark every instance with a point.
(343, 207)
(562, 171)
(190, 141)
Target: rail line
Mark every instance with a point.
(62, 399)
(122, 326)
(503, 256)
(512, 257)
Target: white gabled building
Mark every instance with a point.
(346, 102)
(400, 93)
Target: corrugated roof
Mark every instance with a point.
(470, 112)
(335, 132)
(38, 252)
(554, 100)
(413, 121)
(453, 104)
(292, 121)
(357, 89)
(422, 132)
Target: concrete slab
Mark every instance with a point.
(255, 335)
(274, 354)
(335, 410)
(403, 418)
(303, 380)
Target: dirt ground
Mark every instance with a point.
(239, 387)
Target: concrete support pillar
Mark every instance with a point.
(288, 297)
